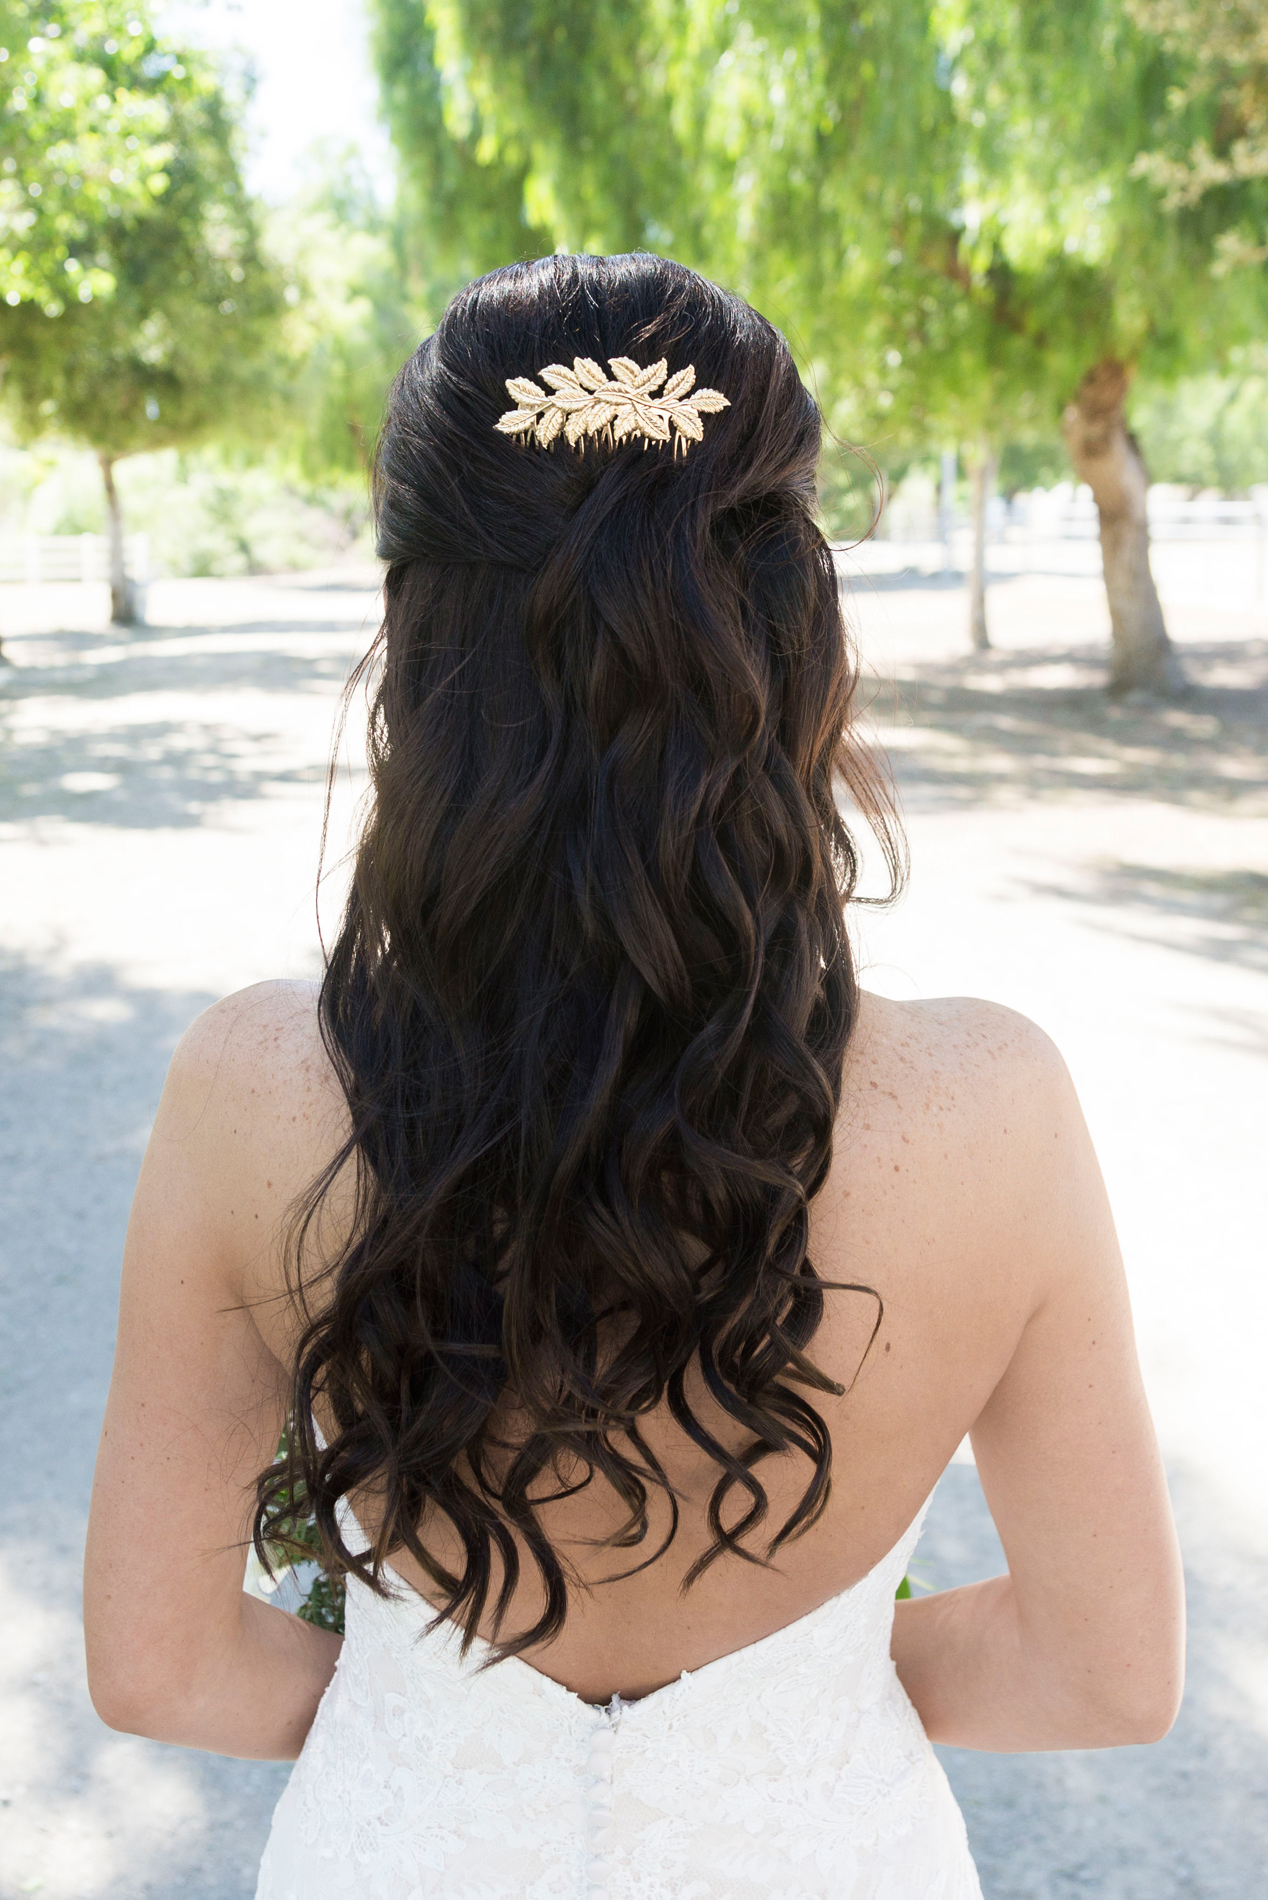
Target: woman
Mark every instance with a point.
(627, 1275)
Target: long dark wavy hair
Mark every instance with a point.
(591, 995)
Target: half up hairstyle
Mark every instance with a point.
(592, 991)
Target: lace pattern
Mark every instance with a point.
(793, 1769)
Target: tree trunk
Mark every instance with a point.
(1106, 456)
(946, 505)
(123, 599)
(982, 482)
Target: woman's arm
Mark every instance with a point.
(1081, 1645)
(175, 1649)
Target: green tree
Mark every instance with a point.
(465, 195)
(83, 141)
(948, 207)
(1209, 431)
(140, 313)
(1060, 108)
(353, 316)
(810, 156)
(1212, 144)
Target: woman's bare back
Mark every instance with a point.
(952, 1112)
(963, 1190)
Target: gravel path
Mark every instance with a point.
(1105, 870)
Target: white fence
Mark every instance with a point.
(69, 557)
(1067, 513)
(1205, 548)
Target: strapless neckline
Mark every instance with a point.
(791, 1768)
(483, 1650)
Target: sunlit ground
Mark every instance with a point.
(1103, 869)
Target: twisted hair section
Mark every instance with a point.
(591, 996)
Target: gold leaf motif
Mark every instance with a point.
(515, 421)
(526, 392)
(549, 425)
(584, 402)
(577, 425)
(647, 379)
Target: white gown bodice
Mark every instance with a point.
(791, 1768)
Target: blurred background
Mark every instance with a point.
(1021, 253)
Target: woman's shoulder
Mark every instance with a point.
(257, 1054)
(253, 1067)
(956, 1059)
(956, 1115)
(254, 1109)
(942, 1030)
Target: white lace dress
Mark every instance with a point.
(792, 1768)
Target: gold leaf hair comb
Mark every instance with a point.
(585, 402)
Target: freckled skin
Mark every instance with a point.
(991, 1260)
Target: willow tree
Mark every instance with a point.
(1069, 114)
(773, 144)
(944, 205)
(139, 312)
(784, 149)
(352, 318)
(809, 156)
(1211, 142)
(463, 193)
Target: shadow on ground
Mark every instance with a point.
(92, 1814)
(914, 580)
(85, 1812)
(63, 755)
(1226, 911)
(1037, 723)
(88, 1812)
(1123, 1824)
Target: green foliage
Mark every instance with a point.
(1212, 145)
(1208, 431)
(352, 319)
(464, 192)
(168, 335)
(212, 513)
(1038, 463)
(944, 205)
(1056, 105)
(205, 511)
(776, 147)
(145, 306)
(296, 1541)
(88, 105)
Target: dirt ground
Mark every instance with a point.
(1104, 869)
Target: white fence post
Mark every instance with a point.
(41, 559)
